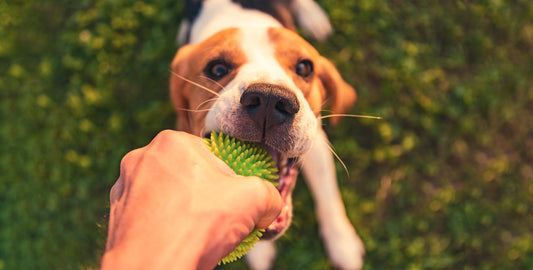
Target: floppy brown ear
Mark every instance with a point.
(178, 89)
(343, 96)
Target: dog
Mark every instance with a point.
(243, 70)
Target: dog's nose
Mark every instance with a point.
(269, 105)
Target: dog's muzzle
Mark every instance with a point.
(269, 105)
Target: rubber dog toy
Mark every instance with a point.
(246, 159)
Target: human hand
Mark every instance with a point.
(176, 205)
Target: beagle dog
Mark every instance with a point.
(244, 71)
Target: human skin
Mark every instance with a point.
(177, 206)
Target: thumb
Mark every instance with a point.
(273, 205)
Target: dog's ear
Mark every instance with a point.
(179, 90)
(342, 94)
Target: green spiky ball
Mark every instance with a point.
(246, 159)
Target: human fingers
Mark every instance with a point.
(266, 199)
(127, 164)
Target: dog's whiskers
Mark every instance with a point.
(202, 131)
(350, 115)
(330, 147)
(206, 101)
(213, 81)
(192, 110)
(194, 83)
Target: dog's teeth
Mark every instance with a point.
(284, 170)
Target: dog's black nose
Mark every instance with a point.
(269, 105)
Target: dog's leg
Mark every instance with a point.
(344, 246)
(262, 255)
(312, 18)
(181, 36)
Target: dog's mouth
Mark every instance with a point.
(287, 171)
(287, 174)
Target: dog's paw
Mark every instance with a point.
(262, 255)
(312, 19)
(344, 247)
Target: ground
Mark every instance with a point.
(443, 181)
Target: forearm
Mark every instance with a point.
(151, 249)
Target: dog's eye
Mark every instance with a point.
(304, 68)
(217, 69)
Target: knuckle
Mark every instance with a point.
(130, 158)
(163, 140)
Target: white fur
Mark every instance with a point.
(261, 66)
(222, 14)
(344, 247)
(262, 255)
(313, 20)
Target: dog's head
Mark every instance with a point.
(265, 85)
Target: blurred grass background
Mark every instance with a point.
(444, 181)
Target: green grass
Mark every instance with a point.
(444, 181)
